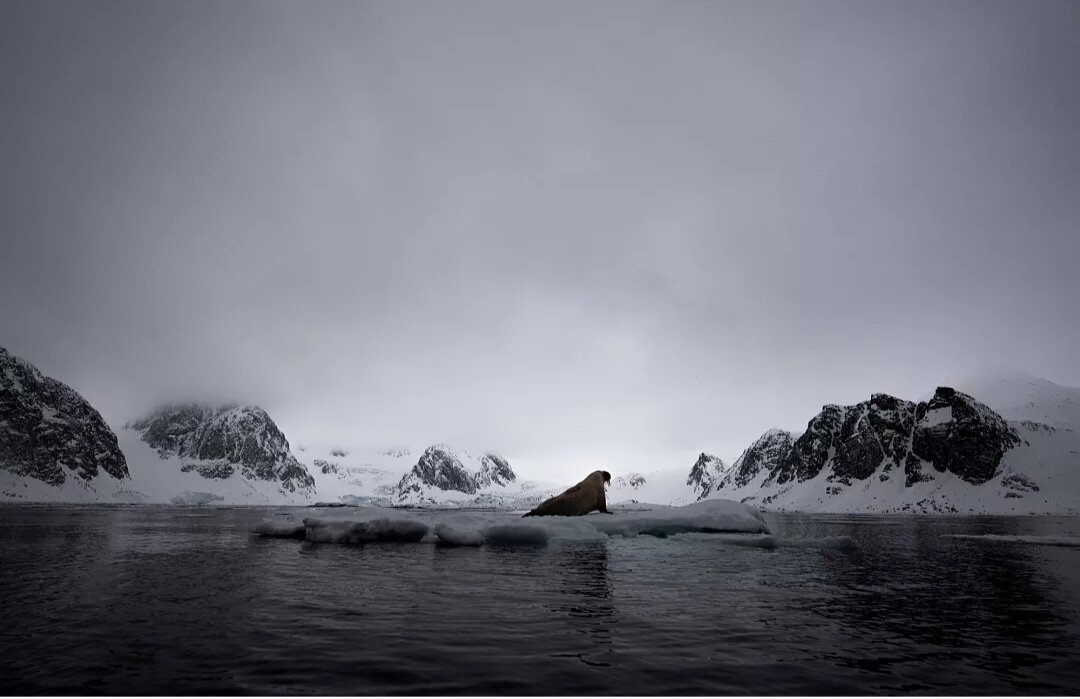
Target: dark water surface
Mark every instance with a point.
(168, 600)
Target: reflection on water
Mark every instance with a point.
(579, 574)
(153, 600)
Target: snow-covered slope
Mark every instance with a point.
(236, 452)
(1019, 396)
(356, 476)
(158, 477)
(951, 454)
(662, 487)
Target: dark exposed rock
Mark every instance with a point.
(210, 469)
(216, 441)
(875, 434)
(766, 454)
(951, 432)
(439, 467)
(494, 470)
(811, 451)
(46, 426)
(1016, 481)
(705, 475)
(957, 433)
(913, 472)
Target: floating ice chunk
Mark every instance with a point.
(1039, 540)
(370, 524)
(709, 516)
(451, 535)
(189, 497)
(399, 529)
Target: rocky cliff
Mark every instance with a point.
(705, 475)
(48, 431)
(950, 453)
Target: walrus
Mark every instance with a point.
(581, 499)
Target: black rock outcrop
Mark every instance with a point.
(951, 432)
(494, 470)
(705, 474)
(765, 455)
(956, 433)
(46, 427)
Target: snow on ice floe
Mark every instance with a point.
(196, 498)
(1038, 540)
(373, 524)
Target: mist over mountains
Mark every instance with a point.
(948, 454)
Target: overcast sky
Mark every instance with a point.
(587, 234)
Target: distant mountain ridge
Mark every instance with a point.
(441, 469)
(1018, 452)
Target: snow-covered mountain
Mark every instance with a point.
(660, 487)
(234, 451)
(443, 476)
(52, 442)
(356, 476)
(951, 453)
(438, 476)
(1020, 396)
(705, 475)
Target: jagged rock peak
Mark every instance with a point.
(46, 426)
(705, 474)
(765, 455)
(441, 468)
(951, 432)
(494, 470)
(218, 440)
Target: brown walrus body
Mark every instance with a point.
(581, 499)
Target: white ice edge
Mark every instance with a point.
(1039, 540)
(372, 524)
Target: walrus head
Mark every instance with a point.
(607, 476)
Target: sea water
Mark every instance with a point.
(167, 600)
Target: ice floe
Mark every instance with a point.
(448, 528)
(1039, 540)
(196, 498)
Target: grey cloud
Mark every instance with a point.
(570, 231)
